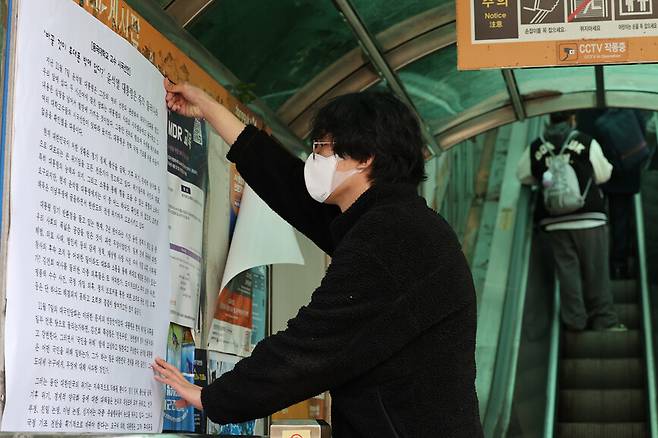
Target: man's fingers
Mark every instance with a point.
(171, 87)
(168, 379)
(163, 363)
(157, 369)
(164, 372)
(168, 371)
(159, 379)
(158, 364)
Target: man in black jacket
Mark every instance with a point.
(391, 329)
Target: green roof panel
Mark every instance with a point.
(555, 79)
(379, 15)
(275, 47)
(637, 77)
(441, 92)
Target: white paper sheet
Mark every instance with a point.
(261, 238)
(87, 278)
(185, 249)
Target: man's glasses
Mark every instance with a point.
(317, 144)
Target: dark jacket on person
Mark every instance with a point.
(622, 181)
(391, 329)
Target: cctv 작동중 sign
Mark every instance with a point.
(531, 33)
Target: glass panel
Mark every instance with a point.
(440, 92)
(641, 77)
(379, 15)
(562, 79)
(275, 47)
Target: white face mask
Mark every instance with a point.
(321, 176)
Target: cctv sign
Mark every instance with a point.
(592, 52)
(532, 33)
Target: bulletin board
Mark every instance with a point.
(118, 16)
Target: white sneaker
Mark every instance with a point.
(616, 328)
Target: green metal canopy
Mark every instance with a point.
(295, 54)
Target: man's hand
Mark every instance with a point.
(170, 375)
(191, 101)
(186, 99)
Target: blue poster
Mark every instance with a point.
(180, 353)
(218, 364)
(258, 305)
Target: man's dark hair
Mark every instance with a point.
(561, 116)
(378, 125)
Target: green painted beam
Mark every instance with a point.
(474, 217)
(494, 291)
(480, 258)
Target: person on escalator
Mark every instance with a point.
(391, 329)
(621, 133)
(569, 165)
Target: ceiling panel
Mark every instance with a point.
(640, 77)
(379, 15)
(441, 92)
(274, 46)
(555, 80)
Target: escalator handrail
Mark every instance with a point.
(496, 418)
(520, 263)
(646, 318)
(553, 362)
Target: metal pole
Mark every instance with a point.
(376, 57)
(650, 363)
(514, 93)
(186, 11)
(600, 86)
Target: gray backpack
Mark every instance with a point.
(560, 183)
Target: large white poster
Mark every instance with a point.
(88, 279)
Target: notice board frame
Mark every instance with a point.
(6, 93)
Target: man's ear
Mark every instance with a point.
(365, 164)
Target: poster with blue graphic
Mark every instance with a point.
(258, 305)
(218, 364)
(180, 353)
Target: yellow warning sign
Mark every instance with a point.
(532, 33)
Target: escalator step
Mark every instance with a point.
(601, 373)
(604, 406)
(602, 344)
(602, 430)
(624, 291)
(629, 314)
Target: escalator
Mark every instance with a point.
(606, 379)
(602, 376)
(598, 384)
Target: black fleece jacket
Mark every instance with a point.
(391, 329)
